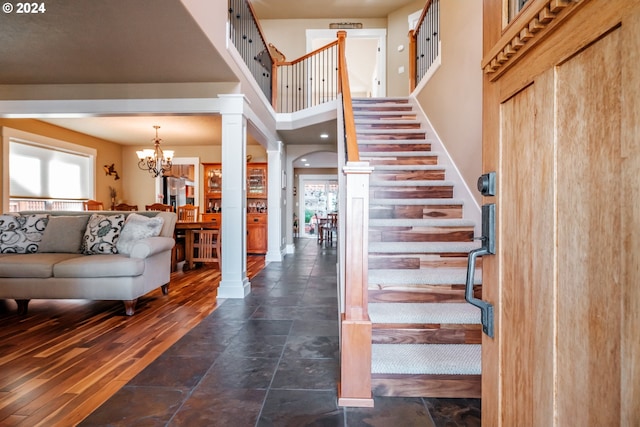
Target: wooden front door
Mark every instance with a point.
(562, 131)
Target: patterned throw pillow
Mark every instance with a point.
(102, 234)
(135, 228)
(21, 234)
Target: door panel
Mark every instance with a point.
(589, 234)
(566, 146)
(527, 255)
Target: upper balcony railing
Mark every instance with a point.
(246, 35)
(424, 42)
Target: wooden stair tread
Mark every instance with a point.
(395, 202)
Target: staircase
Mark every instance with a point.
(426, 338)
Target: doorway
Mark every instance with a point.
(320, 197)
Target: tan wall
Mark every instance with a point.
(135, 186)
(398, 34)
(107, 152)
(289, 35)
(452, 99)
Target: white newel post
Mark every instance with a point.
(234, 283)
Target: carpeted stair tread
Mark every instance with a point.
(421, 247)
(362, 142)
(394, 154)
(401, 202)
(424, 313)
(436, 359)
(420, 222)
(430, 276)
(416, 183)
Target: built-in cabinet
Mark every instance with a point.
(256, 202)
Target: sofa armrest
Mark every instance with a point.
(144, 248)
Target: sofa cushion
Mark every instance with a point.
(64, 234)
(102, 233)
(31, 265)
(21, 233)
(137, 227)
(99, 266)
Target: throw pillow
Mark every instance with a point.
(138, 227)
(64, 234)
(101, 234)
(21, 233)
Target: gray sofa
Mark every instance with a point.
(97, 255)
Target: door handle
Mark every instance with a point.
(488, 248)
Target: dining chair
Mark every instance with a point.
(205, 247)
(125, 207)
(159, 207)
(92, 205)
(329, 228)
(188, 213)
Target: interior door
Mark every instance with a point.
(562, 131)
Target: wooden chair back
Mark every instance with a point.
(125, 207)
(159, 207)
(188, 213)
(206, 246)
(92, 205)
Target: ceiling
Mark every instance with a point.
(142, 41)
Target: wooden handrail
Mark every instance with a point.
(413, 36)
(310, 54)
(353, 154)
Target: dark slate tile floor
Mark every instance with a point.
(268, 360)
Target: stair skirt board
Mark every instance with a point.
(437, 386)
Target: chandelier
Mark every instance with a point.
(155, 161)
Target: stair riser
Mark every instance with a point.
(414, 261)
(422, 293)
(427, 334)
(367, 101)
(439, 386)
(389, 148)
(415, 212)
(422, 192)
(392, 136)
(426, 234)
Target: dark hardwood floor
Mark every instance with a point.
(66, 357)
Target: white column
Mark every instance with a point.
(275, 202)
(234, 283)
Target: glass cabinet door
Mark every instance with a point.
(256, 180)
(213, 179)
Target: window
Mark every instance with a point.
(515, 6)
(47, 174)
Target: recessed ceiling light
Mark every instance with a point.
(306, 164)
(303, 160)
(324, 135)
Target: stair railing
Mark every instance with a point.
(247, 36)
(307, 81)
(424, 42)
(353, 232)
